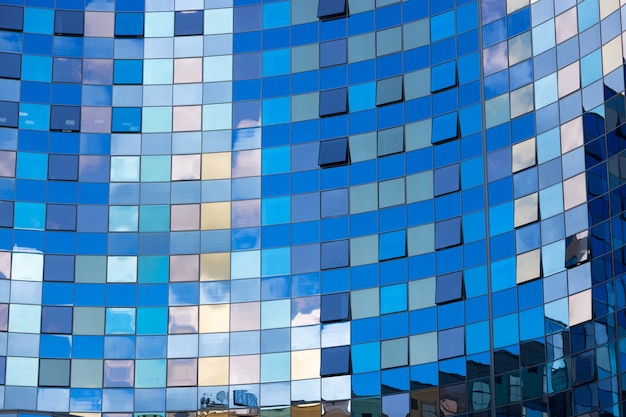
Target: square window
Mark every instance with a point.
(58, 268)
(528, 266)
(524, 155)
(335, 307)
(333, 53)
(54, 372)
(329, 9)
(182, 372)
(333, 102)
(392, 245)
(67, 70)
(56, 320)
(7, 164)
(333, 152)
(11, 17)
(449, 288)
(65, 118)
(126, 120)
(10, 66)
(128, 71)
(69, 22)
(391, 141)
(128, 24)
(389, 91)
(335, 254)
(119, 373)
(443, 76)
(63, 167)
(447, 180)
(185, 217)
(61, 217)
(335, 361)
(189, 23)
(186, 167)
(526, 210)
(448, 233)
(577, 249)
(6, 214)
(9, 112)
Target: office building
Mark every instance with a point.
(312, 207)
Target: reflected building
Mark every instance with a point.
(368, 208)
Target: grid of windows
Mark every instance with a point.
(305, 207)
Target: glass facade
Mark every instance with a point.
(313, 207)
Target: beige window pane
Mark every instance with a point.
(522, 101)
(608, 6)
(182, 372)
(183, 320)
(187, 70)
(215, 318)
(524, 155)
(214, 266)
(566, 25)
(184, 268)
(580, 308)
(185, 167)
(305, 364)
(569, 79)
(216, 216)
(519, 48)
(513, 5)
(571, 135)
(245, 369)
(99, 24)
(574, 191)
(187, 118)
(526, 210)
(611, 58)
(213, 371)
(245, 316)
(216, 165)
(185, 217)
(528, 266)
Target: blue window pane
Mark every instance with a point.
(333, 53)
(443, 76)
(389, 91)
(328, 9)
(11, 17)
(56, 320)
(448, 233)
(446, 180)
(335, 361)
(6, 214)
(126, 120)
(69, 22)
(128, 24)
(449, 288)
(67, 70)
(63, 167)
(58, 268)
(333, 152)
(335, 307)
(9, 112)
(61, 217)
(126, 71)
(335, 254)
(333, 101)
(65, 118)
(392, 245)
(189, 22)
(10, 65)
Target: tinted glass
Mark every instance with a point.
(8, 113)
(333, 152)
(333, 102)
(10, 65)
(65, 118)
(68, 22)
(331, 8)
(11, 17)
(189, 23)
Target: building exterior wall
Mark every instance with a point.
(312, 207)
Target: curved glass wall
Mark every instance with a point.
(312, 207)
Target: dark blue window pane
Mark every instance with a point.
(61, 217)
(10, 65)
(6, 214)
(333, 152)
(189, 23)
(65, 118)
(11, 18)
(335, 361)
(335, 307)
(9, 112)
(128, 24)
(58, 268)
(335, 254)
(449, 288)
(331, 8)
(333, 53)
(448, 233)
(389, 91)
(63, 167)
(56, 320)
(68, 22)
(446, 180)
(333, 102)
(576, 249)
